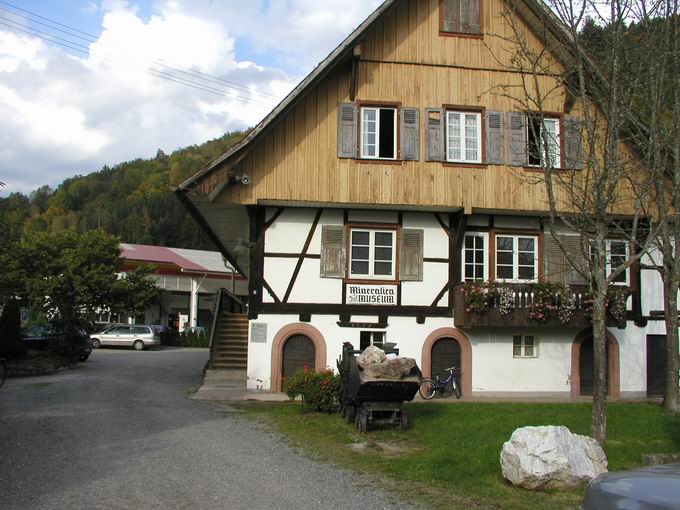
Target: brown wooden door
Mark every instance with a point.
(298, 352)
(586, 367)
(445, 354)
(656, 365)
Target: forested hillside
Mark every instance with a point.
(132, 200)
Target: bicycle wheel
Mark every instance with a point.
(428, 389)
(456, 389)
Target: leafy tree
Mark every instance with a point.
(134, 292)
(11, 342)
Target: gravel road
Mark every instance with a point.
(119, 432)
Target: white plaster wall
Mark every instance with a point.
(494, 369)
(632, 357)
(435, 276)
(435, 240)
(289, 232)
(404, 331)
(516, 222)
(311, 288)
(278, 273)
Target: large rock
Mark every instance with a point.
(551, 457)
(370, 356)
(394, 369)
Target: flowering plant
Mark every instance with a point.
(319, 390)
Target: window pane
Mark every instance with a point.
(479, 257)
(471, 137)
(360, 252)
(469, 256)
(383, 254)
(360, 237)
(504, 243)
(383, 238)
(529, 351)
(504, 258)
(387, 138)
(479, 272)
(618, 248)
(525, 244)
(526, 259)
(359, 267)
(469, 272)
(526, 273)
(383, 268)
(504, 272)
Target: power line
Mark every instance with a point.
(159, 62)
(151, 71)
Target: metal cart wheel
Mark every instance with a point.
(362, 421)
(405, 423)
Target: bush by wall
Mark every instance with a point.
(320, 390)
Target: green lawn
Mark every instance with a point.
(450, 457)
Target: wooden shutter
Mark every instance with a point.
(517, 135)
(434, 124)
(410, 134)
(573, 146)
(555, 264)
(411, 255)
(333, 251)
(451, 16)
(573, 247)
(348, 131)
(495, 140)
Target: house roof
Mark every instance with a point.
(188, 261)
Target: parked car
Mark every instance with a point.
(138, 336)
(38, 337)
(654, 487)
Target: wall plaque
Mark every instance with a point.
(258, 332)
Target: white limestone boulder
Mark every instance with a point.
(370, 356)
(551, 457)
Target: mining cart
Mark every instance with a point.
(370, 402)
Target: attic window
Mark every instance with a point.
(460, 16)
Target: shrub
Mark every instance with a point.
(11, 341)
(320, 390)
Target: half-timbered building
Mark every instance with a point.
(360, 206)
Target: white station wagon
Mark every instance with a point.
(136, 336)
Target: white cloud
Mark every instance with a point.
(65, 113)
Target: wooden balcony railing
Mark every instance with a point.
(516, 310)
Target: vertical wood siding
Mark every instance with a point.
(404, 60)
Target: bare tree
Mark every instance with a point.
(658, 46)
(601, 188)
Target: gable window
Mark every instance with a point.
(536, 143)
(460, 16)
(524, 346)
(516, 258)
(378, 132)
(475, 267)
(372, 253)
(463, 137)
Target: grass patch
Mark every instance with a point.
(450, 457)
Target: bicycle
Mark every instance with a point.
(429, 387)
(3, 371)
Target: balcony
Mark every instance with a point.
(520, 305)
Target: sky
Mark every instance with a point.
(88, 83)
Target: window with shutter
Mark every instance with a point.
(543, 142)
(372, 254)
(495, 138)
(460, 17)
(573, 145)
(517, 134)
(410, 134)
(411, 253)
(333, 251)
(463, 137)
(378, 133)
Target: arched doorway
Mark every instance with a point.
(582, 365)
(298, 352)
(455, 347)
(445, 354)
(293, 353)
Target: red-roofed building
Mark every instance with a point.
(189, 280)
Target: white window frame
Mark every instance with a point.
(371, 255)
(556, 139)
(377, 110)
(461, 114)
(515, 258)
(485, 236)
(523, 347)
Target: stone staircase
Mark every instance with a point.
(230, 349)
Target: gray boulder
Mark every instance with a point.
(551, 457)
(370, 356)
(393, 369)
